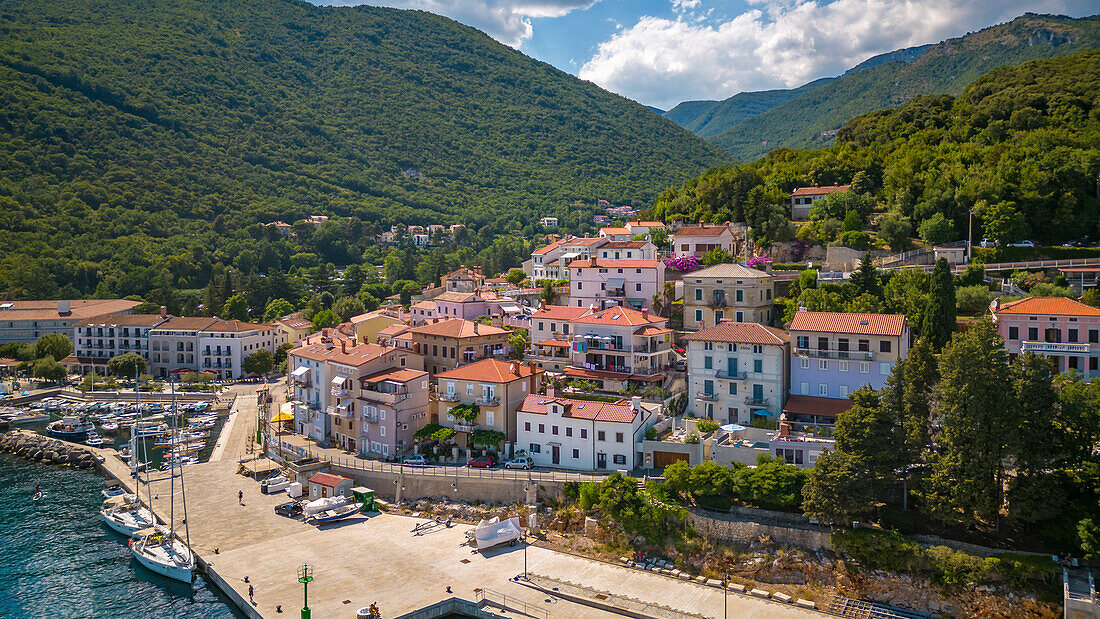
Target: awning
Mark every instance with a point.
(635, 302)
(761, 413)
(300, 371)
(615, 282)
(282, 417)
(339, 379)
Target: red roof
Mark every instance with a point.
(459, 328)
(701, 231)
(560, 312)
(807, 405)
(819, 191)
(741, 333)
(545, 249)
(397, 375)
(559, 343)
(327, 479)
(616, 231)
(491, 371)
(622, 316)
(652, 330)
(617, 412)
(1047, 306)
(857, 324)
(609, 263)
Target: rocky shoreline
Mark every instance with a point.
(38, 448)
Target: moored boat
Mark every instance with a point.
(126, 516)
(161, 552)
(70, 428)
(337, 513)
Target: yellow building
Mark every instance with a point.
(368, 325)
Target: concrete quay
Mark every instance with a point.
(375, 558)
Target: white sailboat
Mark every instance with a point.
(162, 551)
(123, 513)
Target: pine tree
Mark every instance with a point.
(836, 491)
(975, 413)
(865, 279)
(1036, 445)
(939, 315)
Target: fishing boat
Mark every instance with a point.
(95, 440)
(163, 552)
(70, 428)
(336, 513)
(178, 462)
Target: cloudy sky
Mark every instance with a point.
(661, 52)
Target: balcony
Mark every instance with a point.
(487, 401)
(727, 375)
(751, 401)
(383, 397)
(615, 293)
(340, 392)
(448, 397)
(1054, 347)
(371, 418)
(833, 353)
(465, 427)
(341, 411)
(707, 397)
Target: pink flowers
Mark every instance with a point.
(683, 263)
(757, 262)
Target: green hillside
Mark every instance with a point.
(143, 129)
(1020, 147)
(811, 119)
(710, 118)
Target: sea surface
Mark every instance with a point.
(57, 559)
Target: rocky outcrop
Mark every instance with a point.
(46, 450)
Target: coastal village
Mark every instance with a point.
(475, 407)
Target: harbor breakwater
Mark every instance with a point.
(38, 448)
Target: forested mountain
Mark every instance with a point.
(1020, 147)
(137, 135)
(945, 68)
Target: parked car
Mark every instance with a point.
(482, 462)
(680, 365)
(1022, 244)
(417, 460)
(988, 243)
(292, 509)
(522, 462)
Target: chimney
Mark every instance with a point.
(550, 391)
(636, 404)
(63, 307)
(475, 327)
(344, 346)
(784, 429)
(164, 311)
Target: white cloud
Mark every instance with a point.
(685, 5)
(783, 43)
(508, 21)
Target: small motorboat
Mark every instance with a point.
(336, 513)
(96, 440)
(184, 461)
(38, 496)
(109, 427)
(151, 430)
(113, 489)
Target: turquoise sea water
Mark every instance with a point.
(57, 559)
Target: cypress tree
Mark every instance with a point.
(939, 315)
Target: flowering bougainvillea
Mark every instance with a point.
(683, 263)
(757, 262)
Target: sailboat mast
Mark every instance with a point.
(183, 496)
(133, 439)
(172, 468)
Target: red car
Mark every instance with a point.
(482, 462)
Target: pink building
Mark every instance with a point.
(464, 305)
(1063, 330)
(615, 234)
(606, 283)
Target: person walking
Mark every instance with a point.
(240, 497)
(250, 590)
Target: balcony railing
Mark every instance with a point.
(465, 427)
(727, 375)
(833, 353)
(751, 401)
(372, 418)
(709, 397)
(340, 392)
(448, 397)
(487, 400)
(382, 396)
(1053, 347)
(615, 292)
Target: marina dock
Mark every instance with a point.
(376, 559)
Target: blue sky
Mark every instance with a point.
(661, 52)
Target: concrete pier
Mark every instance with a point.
(376, 558)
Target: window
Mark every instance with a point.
(599, 435)
(823, 389)
(554, 430)
(718, 316)
(618, 437)
(884, 368)
(584, 432)
(822, 365)
(1014, 333)
(1094, 336)
(535, 448)
(804, 388)
(733, 388)
(739, 295)
(637, 287)
(542, 429)
(843, 391)
(553, 327)
(843, 366)
(576, 454)
(739, 316)
(618, 459)
(1033, 333)
(708, 387)
(864, 345)
(698, 294)
(804, 363)
(568, 431)
(698, 315)
(803, 341)
(579, 286)
(757, 365)
(864, 367)
(1072, 336)
(708, 363)
(884, 346)
(758, 349)
(526, 426)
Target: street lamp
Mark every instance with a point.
(305, 576)
(725, 590)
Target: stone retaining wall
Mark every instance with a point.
(38, 448)
(455, 488)
(750, 532)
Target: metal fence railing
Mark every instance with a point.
(500, 600)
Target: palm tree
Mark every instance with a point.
(657, 304)
(670, 296)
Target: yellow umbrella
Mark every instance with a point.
(282, 417)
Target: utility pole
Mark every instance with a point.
(970, 237)
(305, 576)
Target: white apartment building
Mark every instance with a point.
(26, 321)
(96, 340)
(738, 371)
(582, 435)
(179, 345)
(606, 283)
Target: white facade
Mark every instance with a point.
(731, 382)
(573, 434)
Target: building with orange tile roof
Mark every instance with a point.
(644, 227)
(629, 250)
(615, 234)
(803, 198)
(698, 240)
(727, 292)
(738, 372)
(392, 406)
(26, 321)
(835, 353)
(495, 387)
(582, 435)
(96, 340)
(1065, 331)
(449, 343)
(601, 283)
